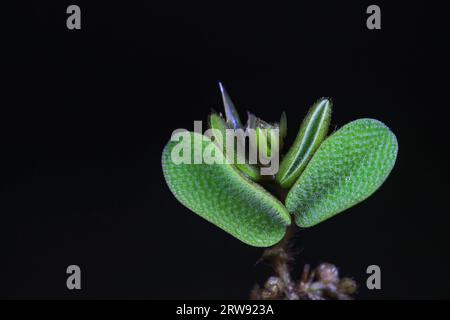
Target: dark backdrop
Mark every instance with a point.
(92, 109)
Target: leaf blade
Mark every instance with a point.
(222, 195)
(216, 122)
(313, 131)
(347, 168)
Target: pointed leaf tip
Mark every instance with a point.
(231, 113)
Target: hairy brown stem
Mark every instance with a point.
(320, 283)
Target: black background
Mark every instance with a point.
(92, 109)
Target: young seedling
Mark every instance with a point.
(318, 178)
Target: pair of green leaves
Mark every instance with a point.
(324, 176)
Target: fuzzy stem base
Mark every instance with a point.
(321, 283)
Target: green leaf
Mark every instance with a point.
(262, 141)
(223, 196)
(218, 123)
(313, 131)
(266, 137)
(347, 168)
